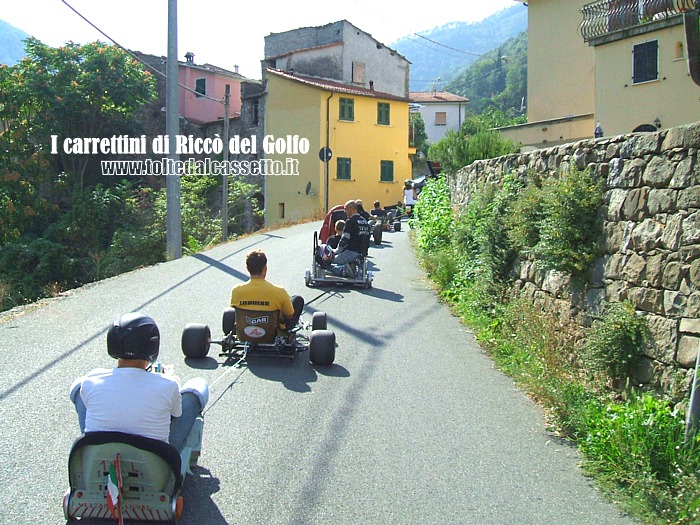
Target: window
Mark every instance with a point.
(387, 171)
(383, 113)
(646, 62)
(441, 118)
(347, 109)
(344, 169)
(200, 87)
(358, 73)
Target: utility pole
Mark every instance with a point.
(224, 197)
(173, 219)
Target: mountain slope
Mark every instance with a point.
(11, 43)
(443, 51)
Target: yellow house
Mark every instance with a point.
(617, 63)
(365, 130)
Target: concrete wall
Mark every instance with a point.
(650, 241)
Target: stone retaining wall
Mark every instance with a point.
(650, 242)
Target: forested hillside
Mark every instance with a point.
(498, 79)
(439, 54)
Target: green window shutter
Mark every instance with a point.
(383, 113)
(347, 109)
(344, 168)
(387, 171)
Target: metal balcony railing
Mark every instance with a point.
(608, 16)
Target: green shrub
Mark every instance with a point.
(570, 227)
(639, 446)
(615, 341)
(433, 213)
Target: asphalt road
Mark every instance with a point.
(411, 425)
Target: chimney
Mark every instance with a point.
(371, 85)
(235, 68)
(189, 56)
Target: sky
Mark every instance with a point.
(223, 32)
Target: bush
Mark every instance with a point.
(615, 340)
(570, 226)
(433, 212)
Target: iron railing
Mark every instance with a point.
(608, 16)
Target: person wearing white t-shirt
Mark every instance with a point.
(131, 399)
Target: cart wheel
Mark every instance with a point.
(397, 226)
(66, 505)
(195, 340)
(179, 505)
(322, 347)
(377, 233)
(319, 321)
(368, 280)
(307, 277)
(228, 321)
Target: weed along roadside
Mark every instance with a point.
(515, 257)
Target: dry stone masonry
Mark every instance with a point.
(650, 241)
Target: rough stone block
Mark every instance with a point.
(647, 299)
(685, 175)
(687, 351)
(674, 303)
(671, 237)
(690, 326)
(663, 334)
(689, 198)
(673, 273)
(635, 206)
(691, 229)
(658, 172)
(662, 201)
(647, 235)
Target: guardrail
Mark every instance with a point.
(608, 16)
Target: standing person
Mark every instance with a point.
(409, 196)
(259, 294)
(131, 399)
(353, 243)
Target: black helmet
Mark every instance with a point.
(134, 336)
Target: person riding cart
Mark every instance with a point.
(353, 243)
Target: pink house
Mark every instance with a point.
(202, 102)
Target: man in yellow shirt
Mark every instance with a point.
(259, 294)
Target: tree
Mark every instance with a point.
(418, 138)
(473, 141)
(74, 91)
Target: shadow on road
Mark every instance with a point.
(199, 506)
(48, 366)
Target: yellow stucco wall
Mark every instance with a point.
(293, 108)
(560, 64)
(366, 143)
(621, 106)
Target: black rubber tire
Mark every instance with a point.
(196, 339)
(319, 321)
(377, 233)
(322, 347)
(228, 321)
(397, 226)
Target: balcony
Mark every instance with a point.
(605, 17)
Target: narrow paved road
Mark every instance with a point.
(411, 425)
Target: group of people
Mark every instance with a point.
(129, 398)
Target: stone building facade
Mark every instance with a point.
(650, 241)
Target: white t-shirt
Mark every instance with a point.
(130, 400)
(409, 196)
